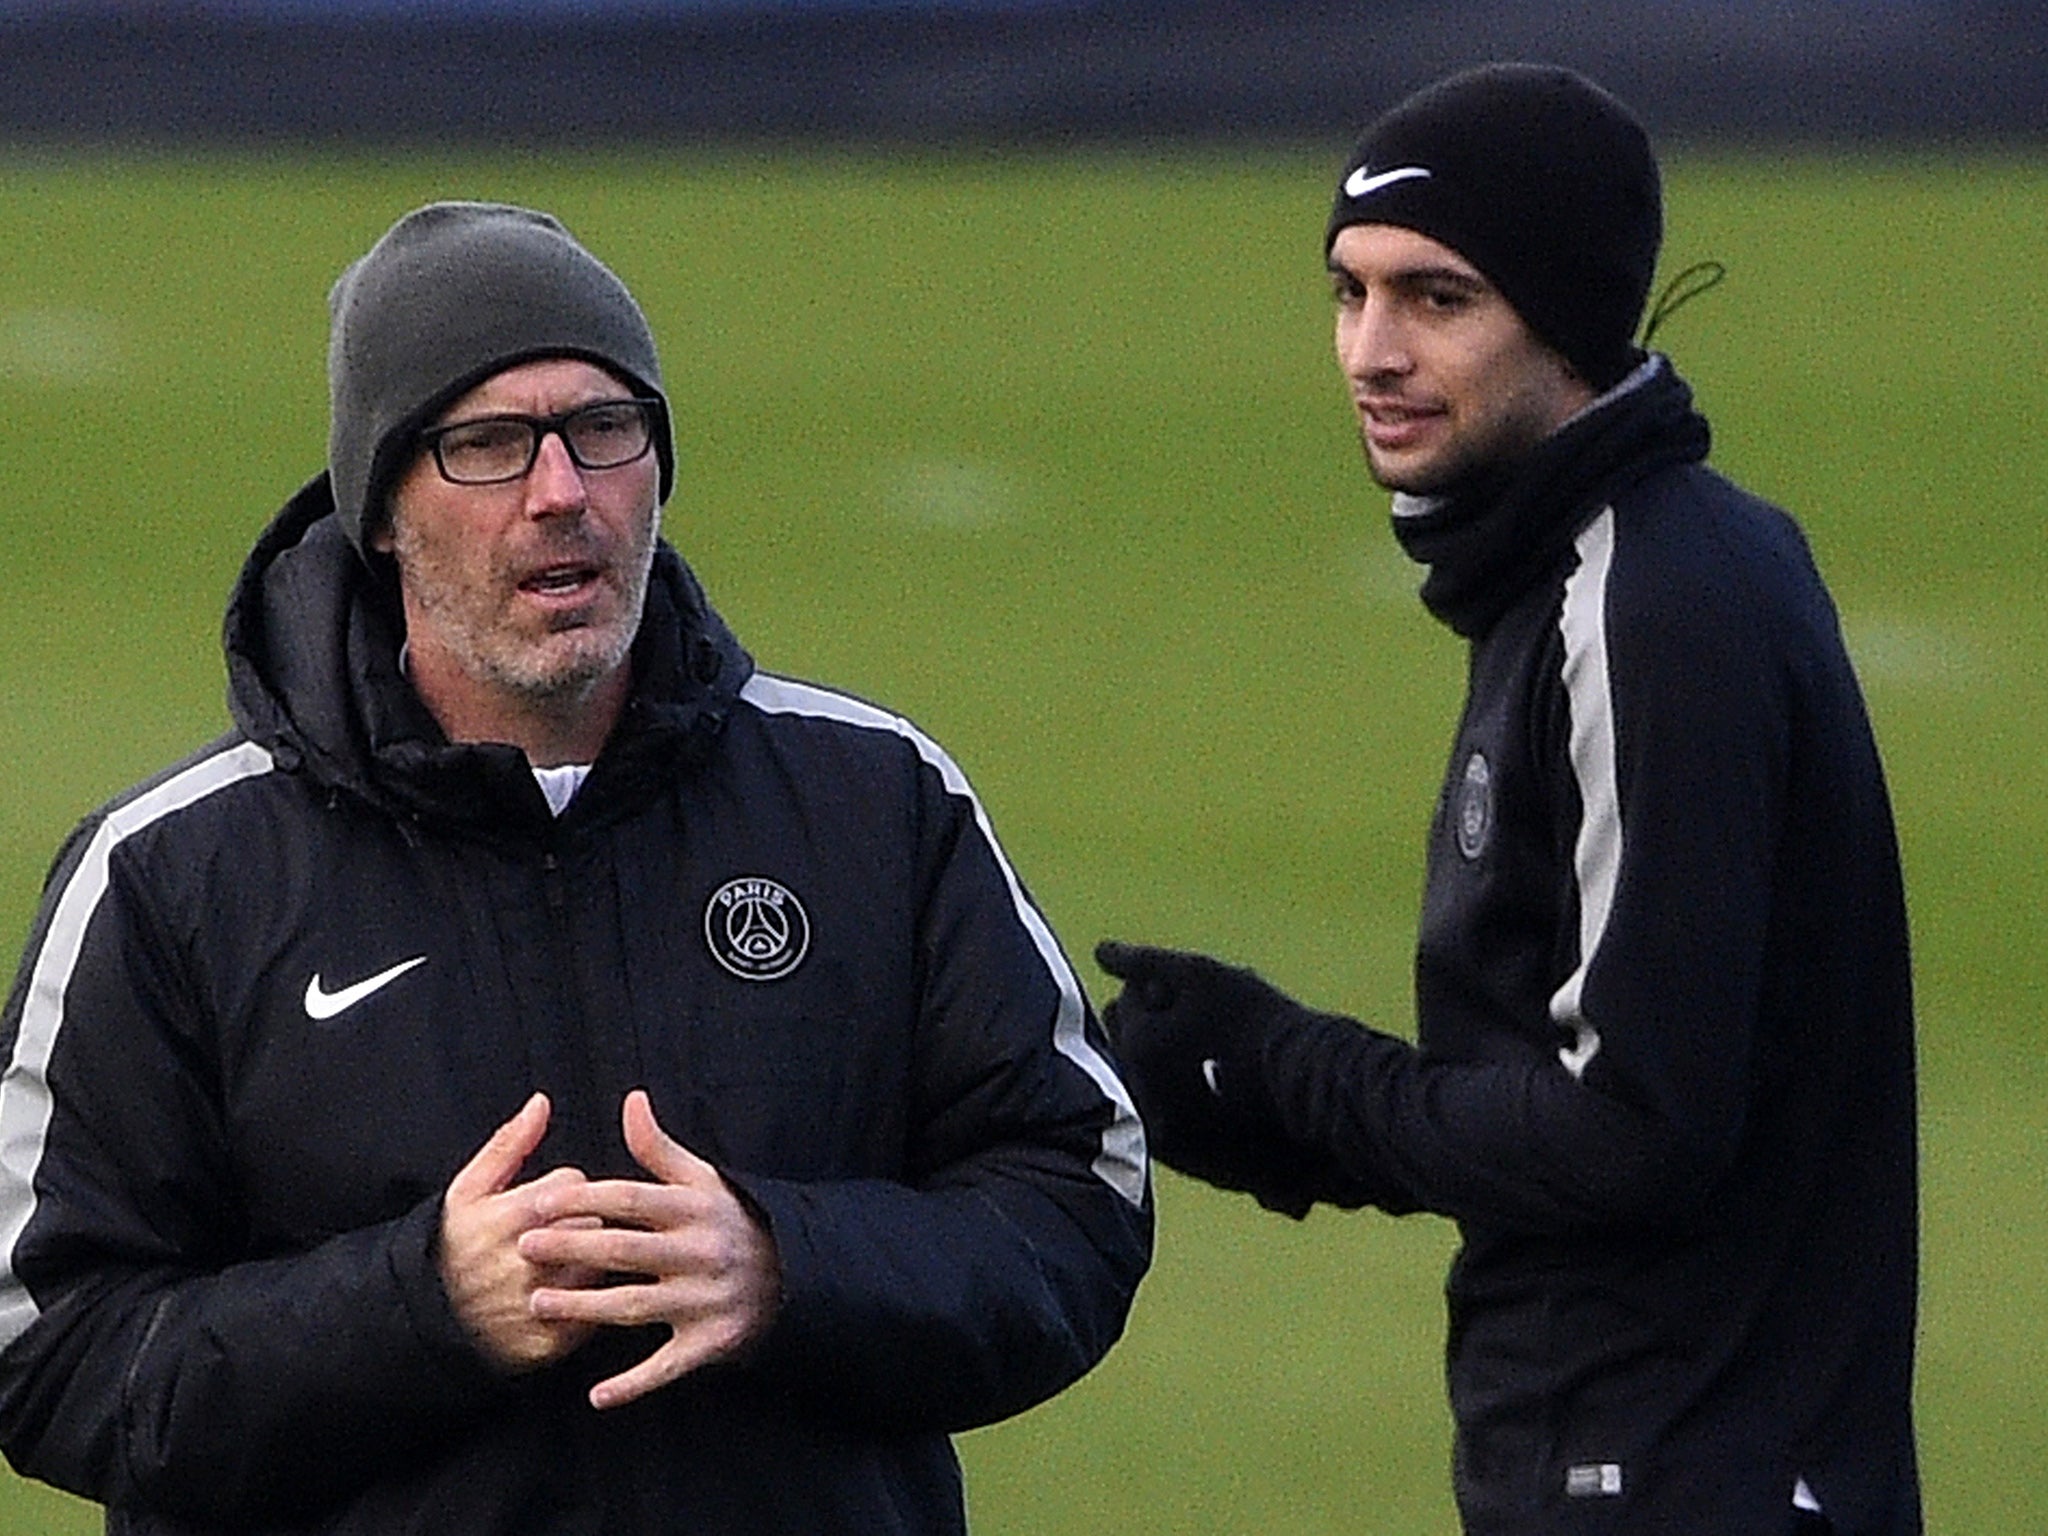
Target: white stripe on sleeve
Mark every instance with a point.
(1121, 1162)
(1596, 857)
(25, 1104)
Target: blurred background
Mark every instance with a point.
(998, 338)
(915, 72)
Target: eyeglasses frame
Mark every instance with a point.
(544, 427)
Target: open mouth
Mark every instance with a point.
(559, 580)
(1390, 424)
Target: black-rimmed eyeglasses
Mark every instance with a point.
(493, 449)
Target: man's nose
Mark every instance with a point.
(1371, 342)
(554, 484)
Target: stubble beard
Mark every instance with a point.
(1430, 479)
(550, 674)
(1507, 442)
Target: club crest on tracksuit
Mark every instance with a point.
(1472, 815)
(756, 928)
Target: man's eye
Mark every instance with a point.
(605, 421)
(485, 450)
(485, 438)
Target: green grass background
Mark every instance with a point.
(1050, 454)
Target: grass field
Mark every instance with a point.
(1050, 455)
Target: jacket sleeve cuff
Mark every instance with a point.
(415, 1257)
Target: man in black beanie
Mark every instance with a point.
(1663, 1077)
(537, 1073)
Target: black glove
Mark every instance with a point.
(1191, 1034)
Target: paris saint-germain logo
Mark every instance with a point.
(756, 928)
(1473, 809)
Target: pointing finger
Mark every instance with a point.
(1120, 959)
(652, 1147)
(498, 1161)
(1143, 967)
(657, 1370)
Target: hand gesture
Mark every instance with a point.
(1191, 1035)
(681, 1250)
(490, 1284)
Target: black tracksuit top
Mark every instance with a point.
(1663, 1077)
(781, 911)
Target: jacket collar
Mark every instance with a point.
(1491, 539)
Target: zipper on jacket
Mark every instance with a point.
(582, 1121)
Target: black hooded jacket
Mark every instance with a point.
(276, 996)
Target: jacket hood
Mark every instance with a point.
(312, 638)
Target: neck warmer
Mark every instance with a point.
(1487, 541)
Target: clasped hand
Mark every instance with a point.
(533, 1269)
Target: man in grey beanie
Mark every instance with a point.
(537, 1072)
(1663, 1075)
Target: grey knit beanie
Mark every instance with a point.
(452, 294)
(1542, 181)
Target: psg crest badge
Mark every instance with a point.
(1474, 808)
(756, 928)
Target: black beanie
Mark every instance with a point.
(452, 294)
(1542, 181)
